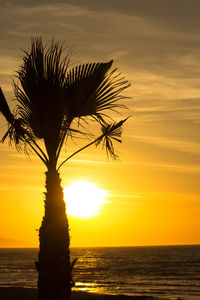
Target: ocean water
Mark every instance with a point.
(165, 271)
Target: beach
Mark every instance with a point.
(18, 293)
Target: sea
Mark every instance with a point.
(164, 271)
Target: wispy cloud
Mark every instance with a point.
(6, 242)
(178, 145)
(173, 167)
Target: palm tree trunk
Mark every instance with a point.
(54, 268)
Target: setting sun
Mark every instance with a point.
(84, 199)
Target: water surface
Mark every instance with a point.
(167, 271)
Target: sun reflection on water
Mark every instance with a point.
(88, 287)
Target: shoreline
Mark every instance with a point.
(16, 293)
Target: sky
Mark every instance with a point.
(154, 193)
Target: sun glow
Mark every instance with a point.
(84, 199)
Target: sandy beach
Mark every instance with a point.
(9, 293)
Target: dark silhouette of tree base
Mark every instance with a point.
(54, 268)
(53, 103)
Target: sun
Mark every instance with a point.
(84, 199)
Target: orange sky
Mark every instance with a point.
(154, 189)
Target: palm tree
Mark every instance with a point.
(53, 104)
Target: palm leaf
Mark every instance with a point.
(50, 98)
(110, 132)
(81, 83)
(15, 133)
(90, 89)
(42, 78)
(4, 108)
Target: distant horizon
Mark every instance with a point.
(164, 245)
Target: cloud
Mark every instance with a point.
(156, 45)
(180, 145)
(6, 242)
(131, 33)
(172, 167)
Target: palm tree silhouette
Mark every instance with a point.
(54, 104)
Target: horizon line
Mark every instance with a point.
(135, 246)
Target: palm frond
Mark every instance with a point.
(90, 89)
(15, 133)
(50, 97)
(110, 132)
(74, 133)
(42, 77)
(110, 92)
(4, 108)
(81, 84)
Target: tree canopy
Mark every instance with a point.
(53, 98)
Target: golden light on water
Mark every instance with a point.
(84, 199)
